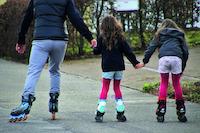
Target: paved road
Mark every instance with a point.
(77, 103)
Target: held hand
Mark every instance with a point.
(139, 65)
(93, 43)
(20, 48)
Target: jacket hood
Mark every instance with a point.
(172, 32)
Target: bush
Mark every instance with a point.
(151, 88)
(10, 17)
(2, 2)
(191, 90)
(193, 38)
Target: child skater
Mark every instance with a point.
(173, 55)
(112, 45)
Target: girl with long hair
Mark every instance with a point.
(112, 46)
(173, 55)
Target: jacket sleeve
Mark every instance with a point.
(77, 20)
(98, 49)
(150, 50)
(129, 54)
(185, 55)
(28, 17)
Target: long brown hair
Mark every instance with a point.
(110, 30)
(167, 23)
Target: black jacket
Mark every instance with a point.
(170, 42)
(49, 20)
(112, 60)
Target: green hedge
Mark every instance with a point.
(192, 37)
(10, 17)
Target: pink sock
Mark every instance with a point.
(105, 88)
(164, 79)
(116, 88)
(177, 86)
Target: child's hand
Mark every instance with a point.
(93, 43)
(139, 65)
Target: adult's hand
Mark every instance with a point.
(20, 48)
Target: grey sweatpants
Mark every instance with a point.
(40, 51)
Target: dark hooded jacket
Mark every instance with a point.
(112, 60)
(170, 42)
(49, 18)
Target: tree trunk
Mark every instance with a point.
(99, 10)
(80, 49)
(157, 14)
(143, 46)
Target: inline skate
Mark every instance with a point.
(180, 110)
(161, 110)
(53, 104)
(120, 108)
(100, 111)
(21, 112)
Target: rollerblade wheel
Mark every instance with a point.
(12, 120)
(25, 118)
(19, 119)
(182, 118)
(53, 116)
(99, 118)
(160, 118)
(122, 119)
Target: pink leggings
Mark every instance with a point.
(164, 77)
(105, 89)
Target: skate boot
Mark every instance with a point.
(100, 111)
(120, 110)
(180, 110)
(53, 104)
(20, 113)
(161, 110)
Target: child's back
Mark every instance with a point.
(173, 55)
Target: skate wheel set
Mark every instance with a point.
(119, 109)
(53, 116)
(120, 116)
(182, 118)
(19, 118)
(99, 116)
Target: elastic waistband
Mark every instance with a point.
(51, 38)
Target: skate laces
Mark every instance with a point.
(101, 106)
(120, 105)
